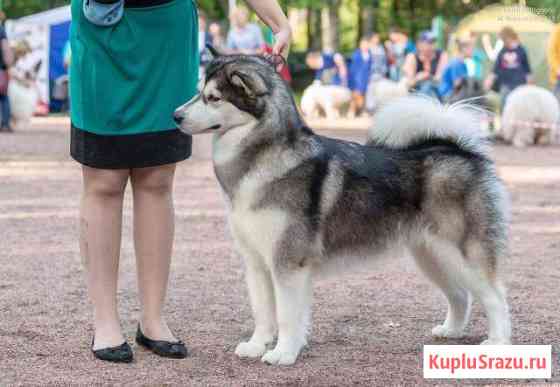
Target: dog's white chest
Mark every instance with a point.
(256, 229)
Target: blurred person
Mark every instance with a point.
(217, 37)
(124, 130)
(359, 74)
(379, 64)
(398, 47)
(475, 63)
(554, 59)
(330, 68)
(6, 60)
(455, 71)
(424, 68)
(512, 68)
(244, 37)
(203, 39)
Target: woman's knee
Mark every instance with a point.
(104, 183)
(154, 180)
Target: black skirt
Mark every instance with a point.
(129, 151)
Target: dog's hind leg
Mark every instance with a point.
(474, 272)
(261, 294)
(293, 308)
(430, 261)
(482, 282)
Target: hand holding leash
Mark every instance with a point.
(283, 39)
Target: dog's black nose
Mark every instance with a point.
(178, 118)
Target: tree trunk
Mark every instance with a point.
(330, 30)
(367, 19)
(314, 31)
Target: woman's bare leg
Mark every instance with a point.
(100, 242)
(154, 228)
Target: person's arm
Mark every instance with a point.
(7, 53)
(495, 72)
(409, 69)
(442, 64)
(272, 15)
(526, 66)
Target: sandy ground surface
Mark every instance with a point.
(369, 328)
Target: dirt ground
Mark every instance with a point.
(369, 328)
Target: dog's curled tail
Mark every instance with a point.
(417, 119)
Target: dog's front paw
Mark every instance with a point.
(496, 341)
(444, 331)
(250, 349)
(280, 357)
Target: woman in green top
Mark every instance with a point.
(126, 80)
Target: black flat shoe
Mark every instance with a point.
(174, 350)
(119, 354)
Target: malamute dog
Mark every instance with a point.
(300, 202)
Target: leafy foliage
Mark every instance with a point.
(349, 15)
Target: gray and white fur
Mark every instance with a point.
(300, 202)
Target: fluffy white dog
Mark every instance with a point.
(531, 116)
(329, 99)
(23, 102)
(381, 91)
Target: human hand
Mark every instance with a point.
(488, 83)
(283, 39)
(422, 76)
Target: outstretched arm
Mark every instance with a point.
(272, 15)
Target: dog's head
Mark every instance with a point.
(237, 91)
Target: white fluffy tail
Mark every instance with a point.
(414, 119)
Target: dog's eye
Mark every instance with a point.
(213, 98)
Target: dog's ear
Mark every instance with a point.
(252, 84)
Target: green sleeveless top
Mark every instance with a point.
(129, 78)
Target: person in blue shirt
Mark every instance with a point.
(456, 70)
(330, 68)
(359, 73)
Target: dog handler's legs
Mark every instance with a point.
(153, 242)
(261, 294)
(100, 240)
(293, 309)
(432, 261)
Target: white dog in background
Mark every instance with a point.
(531, 116)
(23, 102)
(23, 92)
(327, 99)
(380, 91)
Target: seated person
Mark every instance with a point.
(424, 68)
(456, 70)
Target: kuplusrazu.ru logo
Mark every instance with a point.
(519, 13)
